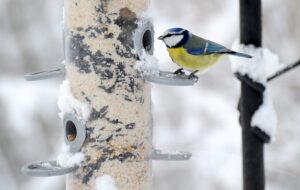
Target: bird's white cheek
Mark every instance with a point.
(173, 40)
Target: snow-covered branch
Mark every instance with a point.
(284, 70)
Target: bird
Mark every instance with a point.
(193, 53)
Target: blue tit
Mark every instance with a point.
(192, 52)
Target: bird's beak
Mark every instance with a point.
(160, 37)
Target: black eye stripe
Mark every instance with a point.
(169, 35)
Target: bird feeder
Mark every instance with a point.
(109, 118)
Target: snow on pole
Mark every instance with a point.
(263, 64)
(101, 73)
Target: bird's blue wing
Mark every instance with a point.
(207, 48)
(198, 51)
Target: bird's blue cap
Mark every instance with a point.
(175, 30)
(171, 31)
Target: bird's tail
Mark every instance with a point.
(239, 54)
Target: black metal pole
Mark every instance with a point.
(251, 99)
(250, 22)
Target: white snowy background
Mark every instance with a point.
(201, 119)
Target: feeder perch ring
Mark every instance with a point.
(170, 155)
(74, 132)
(171, 79)
(46, 169)
(47, 74)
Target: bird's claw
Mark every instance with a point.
(179, 72)
(192, 76)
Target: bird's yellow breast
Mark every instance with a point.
(192, 62)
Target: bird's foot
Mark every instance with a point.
(179, 72)
(192, 75)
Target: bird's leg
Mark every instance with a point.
(179, 72)
(192, 75)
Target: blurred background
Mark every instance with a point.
(201, 119)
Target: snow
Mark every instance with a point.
(147, 65)
(105, 182)
(46, 165)
(14, 92)
(265, 117)
(201, 119)
(148, 13)
(45, 183)
(68, 104)
(6, 173)
(68, 159)
(169, 152)
(263, 64)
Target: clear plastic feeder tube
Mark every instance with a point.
(100, 53)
